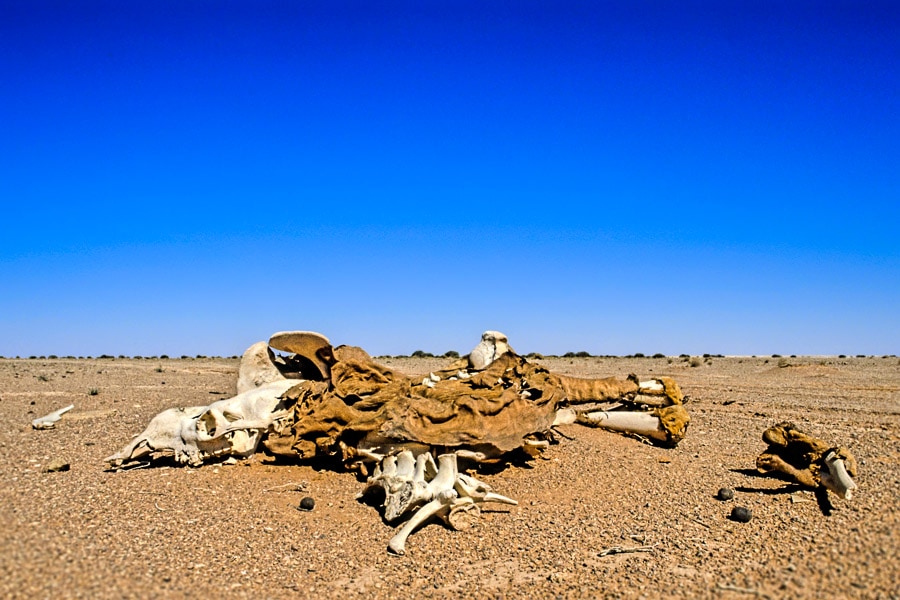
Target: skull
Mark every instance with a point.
(227, 427)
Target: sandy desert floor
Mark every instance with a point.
(234, 531)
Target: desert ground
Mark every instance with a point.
(234, 531)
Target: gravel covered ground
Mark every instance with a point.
(234, 530)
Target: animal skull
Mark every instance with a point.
(233, 426)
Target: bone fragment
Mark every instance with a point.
(836, 478)
(257, 368)
(493, 345)
(49, 421)
(653, 387)
(397, 545)
(640, 423)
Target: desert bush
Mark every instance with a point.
(659, 355)
(776, 356)
(421, 354)
(696, 361)
(535, 356)
(43, 377)
(451, 354)
(580, 354)
(783, 362)
(93, 392)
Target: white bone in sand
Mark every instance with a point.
(418, 484)
(49, 421)
(836, 478)
(233, 426)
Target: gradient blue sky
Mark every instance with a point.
(188, 177)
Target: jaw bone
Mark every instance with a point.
(418, 484)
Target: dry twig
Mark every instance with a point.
(623, 550)
(298, 487)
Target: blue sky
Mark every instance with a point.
(616, 177)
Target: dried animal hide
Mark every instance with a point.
(807, 460)
(493, 410)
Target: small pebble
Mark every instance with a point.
(741, 514)
(57, 466)
(725, 494)
(307, 504)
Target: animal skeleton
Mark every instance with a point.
(319, 400)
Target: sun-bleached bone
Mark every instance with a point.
(493, 345)
(257, 368)
(193, 434)
(639, 423)
(49, 421)
(835, 476)
(430, 489)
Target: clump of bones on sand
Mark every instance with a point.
(410, 438)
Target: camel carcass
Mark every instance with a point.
(322, 401)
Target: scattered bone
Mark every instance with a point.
(49, 421)
(835, 476)
(807, 460)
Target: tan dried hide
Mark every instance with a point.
(491, 411)
(807, 460)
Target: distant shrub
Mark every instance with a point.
(159, 369)
(93, 392)
(783, 362)
(639, 355)
(535, 356)
(659, 355)
(842, 356)
(776, 356)
(52, 356)
(164, 356)
(451, 354)
(108, 356)
(43, 377)
(580, 354)
(696, 361)
(421, 354)
(860, 356)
